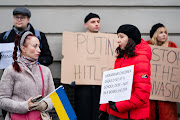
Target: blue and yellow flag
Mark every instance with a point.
(62, 105)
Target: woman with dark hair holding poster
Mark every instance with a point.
(132, 50)
(161, 110)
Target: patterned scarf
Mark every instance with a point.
(28, 62)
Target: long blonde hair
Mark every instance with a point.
(154, 40)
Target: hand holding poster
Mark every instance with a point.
(117, 84)
(88, 55)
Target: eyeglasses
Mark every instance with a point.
(21, 18)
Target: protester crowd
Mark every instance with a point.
(28, 76)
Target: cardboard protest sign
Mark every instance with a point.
(165, 74)
(87, 56)
(6, 50)
(117, 84)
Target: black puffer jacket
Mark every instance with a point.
(45, 57)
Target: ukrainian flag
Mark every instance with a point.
(62, 105)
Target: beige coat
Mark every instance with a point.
(16, 88)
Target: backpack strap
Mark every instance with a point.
(37, 34)
(6, 35)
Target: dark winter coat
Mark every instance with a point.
(45, 57)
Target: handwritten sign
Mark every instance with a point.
(6, 50)
(87, 56)
(165, 74)
(117, 84)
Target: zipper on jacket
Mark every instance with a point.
(123, 60)
(129, 115)
(120, 66)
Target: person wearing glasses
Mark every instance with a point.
(21, 20)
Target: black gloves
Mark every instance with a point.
(72, 85)
(0, 55)
(103, 115)
(113, 106)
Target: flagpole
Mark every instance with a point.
(50, 94)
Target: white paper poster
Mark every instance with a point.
(117, 84)
(6, 50)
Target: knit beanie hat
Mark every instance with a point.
(91, 15)
(154, 28)
(131, 31)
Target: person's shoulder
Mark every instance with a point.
(42, 34)
(144, 45)
(35, 30)
(10, 34)
(45, 70)
(148, 41)
(44, 67)
(32, 29)
(2, 35)
(143, 51)
(172, 44)
(9, 69)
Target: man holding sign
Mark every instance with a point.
(132, 51)
(87, 96)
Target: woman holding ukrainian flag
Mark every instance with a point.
(24, 80)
